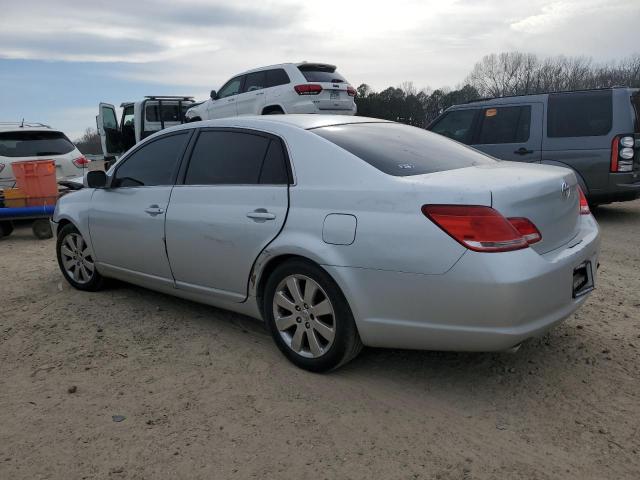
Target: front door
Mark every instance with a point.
(126, 219)
(510, 132)
(224, 104)
(110, 134)
(232, 203)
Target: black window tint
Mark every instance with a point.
(401, 150)
(226, 158)
(274, 169)
(34, 144)
(168, 113)
(153, 163)
(504, 125)
(232, 87)
(579, 114)
(457, 125)
(318, 73)
(255, 81)
(277, 77)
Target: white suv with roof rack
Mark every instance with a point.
(277, 89)
(36, 141)
(138, 121)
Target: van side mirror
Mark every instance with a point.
(213, 94)
(96, 179)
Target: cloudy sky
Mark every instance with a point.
(58, 59)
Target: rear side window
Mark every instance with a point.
(34, 144)
(223, 158)
(457, 125)
(277, 77)
(401, 150)
(274, 167)
(154, 163)
(321, 73)
(504, 125)
(579, 114)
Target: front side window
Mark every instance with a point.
(457, 125)
(255, 81)
(109, 118)
(504, 125)
(127, 117)
(579, 114)
(34, 144)
(232, 87)
(236, 158)
(401, 150)
(152, 164)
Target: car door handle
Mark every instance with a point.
(260, 93)
(523, 151)
(261, 215)
(154, 210)
(231, 100)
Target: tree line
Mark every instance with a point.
(497, 75)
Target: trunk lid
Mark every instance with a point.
(546, 195)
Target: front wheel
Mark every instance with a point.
(309, 318)
(76, 260)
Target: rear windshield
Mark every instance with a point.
(319, 73)
(34, 144)
(579, 114)
(401, 150)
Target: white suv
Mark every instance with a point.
(35, 141)
(286, 88)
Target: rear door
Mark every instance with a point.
(252, 99)
(510, 132)
(110, 135)
(334, 94)
(232, 203)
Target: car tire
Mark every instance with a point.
(42, 228)
(76, 260)
(309, 317)
(6, 228)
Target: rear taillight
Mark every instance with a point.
(478, 228)
(526, 228)
(584, 205)
(80, 162)
(308, 89)
(351, 91)
(622, 153)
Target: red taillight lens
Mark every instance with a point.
(615, 146)
(80, 162)
(584, 205)
(478, 228)
(308, 89)
(526, 228)
(351, 91)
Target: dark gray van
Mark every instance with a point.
(594, 132)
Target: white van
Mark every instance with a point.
(138, 121)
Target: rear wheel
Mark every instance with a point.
(6, 228)
(76, 260)
(309, 318)
(42, 228)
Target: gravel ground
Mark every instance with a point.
(128, 383)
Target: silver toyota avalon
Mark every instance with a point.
(338, 232)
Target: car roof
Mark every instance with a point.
(303, 121)
(24, 126)
(282, 65)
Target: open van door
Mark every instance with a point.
(110, 134)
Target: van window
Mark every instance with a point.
(504, 125)
(457, 125)
(170, 112)
(401, 150)
(579, 114)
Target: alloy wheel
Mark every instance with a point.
(304, 316)
(76, 258)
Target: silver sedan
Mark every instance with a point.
(338, 233)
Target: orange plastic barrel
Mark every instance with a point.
(37, 179)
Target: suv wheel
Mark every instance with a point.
(309, 318)
(76, 260)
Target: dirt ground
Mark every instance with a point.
(128, 383)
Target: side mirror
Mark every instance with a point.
(96, 179)
(213, 94)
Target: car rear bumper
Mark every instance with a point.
(308, 106)
(485, 302)
(622, 187)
